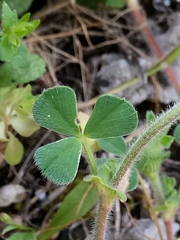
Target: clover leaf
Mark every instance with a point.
(56, 109)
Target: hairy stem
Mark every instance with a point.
(89, 155)
(164, 121)
(151, 211)
(103, 210)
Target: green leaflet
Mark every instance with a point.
(59, 161)
(23, 236)
(111, 117)
(56, 110)
(114, 145)
(177, 134)
(75, 205)
(14, 150)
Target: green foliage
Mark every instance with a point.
(114, 114)
(155, 151)
(177, 134)
(22, 68)
(111, 119)
(102, 3)
(115, 3)
(14, 150)
(75, 205)
(172, 198)
(114, 145)
(12, 31)
(56, 110)
(23, 236)
(15, 111)
(13, 225)
(59, 168)
(18, 5)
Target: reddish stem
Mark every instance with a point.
(154, 46)
(168, 226)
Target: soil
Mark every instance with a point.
(72, 40)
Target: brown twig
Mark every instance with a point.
(141, 20)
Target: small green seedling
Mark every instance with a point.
(112, 117)
(12, 31)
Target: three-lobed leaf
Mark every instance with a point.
(56, 110)
(59, 161)
(111, 117)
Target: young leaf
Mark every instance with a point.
(8, 229)
(177, 134)
(23, 236)
(25, 18)
(56, 110)
(25, 126)
(14, 150)
(9, 17)
(166, 141)
(150, 117)
(133, 180)
(23, 68)
(114, 145)
(111, 117)
(59, 160)
(75, 205)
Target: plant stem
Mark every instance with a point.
(168, 226)
(141, 20)
(164, 121)
(151, 211)
(157, 188)
(101, 219)
(89, 155)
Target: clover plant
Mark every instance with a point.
(111, 118)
